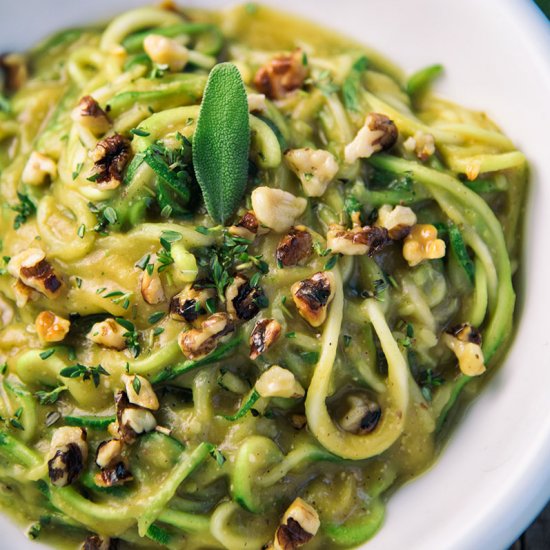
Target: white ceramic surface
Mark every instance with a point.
(494, 476)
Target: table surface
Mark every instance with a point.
(537, 536)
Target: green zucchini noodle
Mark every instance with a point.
(184, 350)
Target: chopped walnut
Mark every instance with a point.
(197, 343)
(242, 298)
(246, 228)
(279, 382)
(39, 169)
(423, 145)
(397, 220)
(422, 244)
(264, 334)
(281, 76)
(358, 240)
(299, 525)
(109, 334)
(50, 327)
(190, 303)
(68, 454)
(465, 341)
(140, 391)
(256, 103)
(295, 247)
(312, 297)
(277, 209)
(379, 133)
(132, 420)
(34, 271)
(90, 115)
(362, 415)
(152, 290)
(110, 157)
(166, 51)
(95, 542)
(115, 475)
(316, 168)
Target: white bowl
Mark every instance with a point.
(493, 477)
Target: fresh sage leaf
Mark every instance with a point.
(222, 141)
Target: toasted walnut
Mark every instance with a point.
(90, 115)
(109, 452)
(298, 421)
(34, 271)
(279, 382)
(264, 334)
(50, 327)
(140, 392)
(246, 227)
(68, 453)
(23, 293)
(190, 303)
(110, 157)
(422, 244)
(131, 419)
(95, 542)
(281, 76)
(200, 342)
(423, 145)
(6, 312)
(39, 169)
(277, 209)
(362, 415)
(465, 341)
(243, 300)
(109, 334)
(295, 247)
(299, 525)
(166, 51)
(316, 168)
(379, 133)
(256, 103)
(152, 290)
(111, 476)
(312, 297)
(358, 240)
(397, 220)
(13, 71)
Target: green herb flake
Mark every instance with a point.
(46, 354)
(331, 262)
(156, 317)
(140, 132)
(77, 170)
(25, 209)
(81, 231)
(136, 384)
(110, 215)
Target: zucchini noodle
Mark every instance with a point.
(194, 351)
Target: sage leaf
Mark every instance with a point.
(222, 141)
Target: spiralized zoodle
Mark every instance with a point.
(240, 301)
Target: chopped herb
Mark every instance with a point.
(110, 215)
(310, 357)
(87, 373)
(77, 170)
(428, 382)
(351, 205)
(81, 231)
(49, 397)
(136, 384)
(34, 530)
(331, 262)
(139, 132)
(217, 455)
(78, 282)
(131, 336)
(156, 317)
(210, 305)
(25, 209)
(143, 262)
(201, 229)
(352, 84)
(169, 237)
(304, 59)
(347, 340)
(290, 335)
(3, 368)
(325, 83)
(45, 354)
(157, 331)
(15, 421)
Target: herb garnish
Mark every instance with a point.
(87, 373)
(25, 209)
(222, 141)
(131, 335)
(49, 397)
